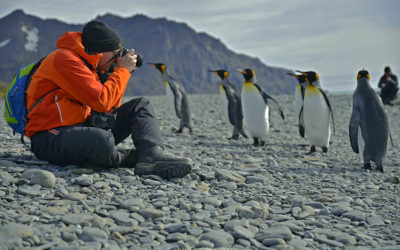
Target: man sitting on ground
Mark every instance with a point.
(389, 85)
(68, 84)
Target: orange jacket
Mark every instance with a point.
(80, 88)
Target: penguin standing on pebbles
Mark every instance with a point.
(255, 103)
(299, 99)
(317, 112)
(231, 99)
(177, 95)
(369, 127)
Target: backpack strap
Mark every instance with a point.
(40, 99)
(28, 81)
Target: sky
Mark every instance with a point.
(334, 38)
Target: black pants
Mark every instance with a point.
(389, 93)
(83, 145)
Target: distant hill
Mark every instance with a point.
(188, 54)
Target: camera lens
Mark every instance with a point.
(139, 61)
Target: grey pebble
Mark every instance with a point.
(15, 229)
(280, 232)
(332, 243)
(269, 242)
(242, 233)
(375, 221)
(228, 175)
(92, 234)
(354, 215)
(218, 238)
(339, 210)
(43, 178)
(84, 180)
(75, 196)
(149, 213)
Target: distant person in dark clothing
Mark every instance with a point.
(389, 85)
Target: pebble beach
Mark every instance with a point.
(237, 196)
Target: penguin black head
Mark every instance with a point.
(248, 74)
(300, 78)
(160, 66)
(363, 73)
(311, 75)
(221, 73)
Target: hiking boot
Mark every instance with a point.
(154, 161)
(128, 158)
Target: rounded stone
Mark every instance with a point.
(218, 238)
(41, 177)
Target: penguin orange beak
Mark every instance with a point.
(241, 71)
(213, 71)
(152, 64)
(302, 72)
(294, 75)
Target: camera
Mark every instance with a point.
(139, 58)
(103, 76)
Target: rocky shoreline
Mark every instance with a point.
(237, 196)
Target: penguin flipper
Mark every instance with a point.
(355, 121)
(232, 103)
(301, 130)
(303, 91)
(177, 99)
(301, 123)
(265, 96)
(330, 108)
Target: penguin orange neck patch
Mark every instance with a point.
(312, 91)
(249, 87)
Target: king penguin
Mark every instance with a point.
(230, 98)
(369, 127)
(317, 112)
(299, 99)
(177, 95)
(255, 103)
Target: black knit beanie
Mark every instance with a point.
(98, 37)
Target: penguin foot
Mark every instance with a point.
(255, 144)
(179, 131)
(380, 168)
(312, 150)
(262, 143)
(324, 150)
(367, 166)
(234, 137)
(244, 134)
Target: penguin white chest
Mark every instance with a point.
(316, 117)
(255, 112)
(170, 97)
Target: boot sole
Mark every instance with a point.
(166, 170)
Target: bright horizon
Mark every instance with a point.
(335, 39)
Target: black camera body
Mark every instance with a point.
(104, 76)
(139, 59)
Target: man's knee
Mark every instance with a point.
(103, 153)
(143, 106)
(142, 101)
